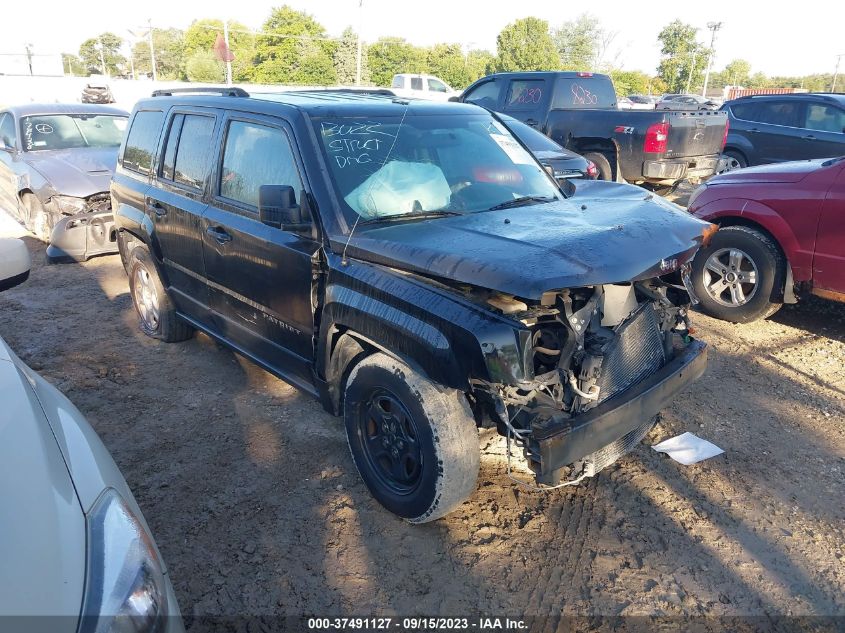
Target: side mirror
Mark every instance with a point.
(455, 99)
(14, 263)
(277, 207)
(6, 144)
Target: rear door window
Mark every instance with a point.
(186, 153)
(744, 111)
(584, 92)
(256, 155)
(525, 94)
(416, 83)
(778, 113)
(142, 141)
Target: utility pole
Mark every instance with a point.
(691, 71)
(152, 50)
(358, 54)
(713, 26)
(836, 72)
(29, 57)
(228, 53)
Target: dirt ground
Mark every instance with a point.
(255, 503)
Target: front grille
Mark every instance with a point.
(634, 353)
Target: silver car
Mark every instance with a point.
(685, 102)
(77, 553)
(56, 162)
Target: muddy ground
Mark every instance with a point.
(255, 503)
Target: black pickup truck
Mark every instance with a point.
(413, 266)
(578, 110)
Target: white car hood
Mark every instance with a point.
(41, 520)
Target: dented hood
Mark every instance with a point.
(78, 172)
(623, 234)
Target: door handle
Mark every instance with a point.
(809, 137)
(219, 234)
(156, 207)
(532, 122)
(754, 129)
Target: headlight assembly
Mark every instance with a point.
(69, 205)
(125, 588)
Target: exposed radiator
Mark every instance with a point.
(634, 353)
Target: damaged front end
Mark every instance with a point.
(606, 359)
(84, 229)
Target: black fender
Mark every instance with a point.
(433, 328)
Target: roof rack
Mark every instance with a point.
(831, 96)
(223, 92)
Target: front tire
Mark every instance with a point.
(415, 443)
(738, 275)
(157, 316)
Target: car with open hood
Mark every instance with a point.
(413, 266)
(78, 556)
(56, 162)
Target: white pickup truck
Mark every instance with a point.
(422, 87)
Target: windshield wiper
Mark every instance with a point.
(522, 200)
(413, 215)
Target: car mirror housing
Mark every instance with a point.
(277, 207)
(14, 263)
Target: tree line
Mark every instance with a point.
(292, 47)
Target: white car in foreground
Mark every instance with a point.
(74, 542)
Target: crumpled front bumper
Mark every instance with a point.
(78, 237)
(561, 441)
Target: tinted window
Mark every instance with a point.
(825, 118)
(191, 165)
(142, 141)
(778, 113)
(525, 94)
(584, 92)
(256, 155)
(437, 86)
(416, 83)
(485, 95)
(531, 138)
(7, 129)
(744, 111)
(169, 163)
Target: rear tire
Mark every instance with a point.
(414, 443)
(157, 316)
(738, 274)
(602, 165)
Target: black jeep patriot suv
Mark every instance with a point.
(414, 267)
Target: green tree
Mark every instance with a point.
(479, 63)
(170, 54)
(683, 58)
(578, 42)
(448, 62)
(629, 82)
(203, 66)
(526, 45)
(346, 59)
(202, 34)
(107, 43)
(392, 55)
(737, 73)
(72, 65)
(293, 49)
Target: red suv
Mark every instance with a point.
(782, 233)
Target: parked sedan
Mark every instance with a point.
(56, 162)
(75, 543)
(685, 102)
(782, 234)
(564, 164)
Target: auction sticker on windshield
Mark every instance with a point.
(508, 144)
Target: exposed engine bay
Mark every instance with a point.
(587, 346)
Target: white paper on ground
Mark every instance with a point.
(688, 448)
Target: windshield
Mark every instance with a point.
(428, 165)
(70, 131)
